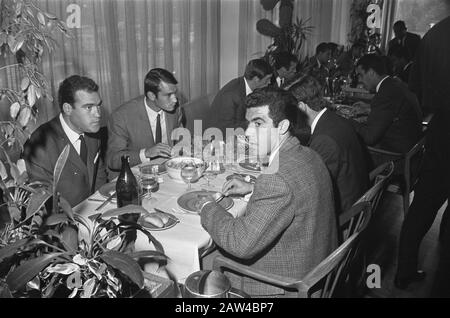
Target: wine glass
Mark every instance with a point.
(188, 172)
(212, 169)
(148, 183)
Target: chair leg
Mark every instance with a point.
(406, 193)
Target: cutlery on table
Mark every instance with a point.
(110, 197)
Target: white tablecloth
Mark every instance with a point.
(182, 242)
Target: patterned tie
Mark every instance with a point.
(83, 149)
(158, 137)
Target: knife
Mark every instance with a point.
(111, 196)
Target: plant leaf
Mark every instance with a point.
(125, 264)
(65, 206)
(41, 18)
(59, 166)
(56, 218)
(11, 249)
(29, 269)
(156, 255)
(14, 108)
(3, 172)
(37, 200)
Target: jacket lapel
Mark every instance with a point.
(143, 120)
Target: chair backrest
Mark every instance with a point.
(324, 280)
(351, 221)
(413, 163)
(198, 109)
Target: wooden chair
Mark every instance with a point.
(198, 109)
(408, 165)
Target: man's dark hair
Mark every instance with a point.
(154, 78)
(322, 47)
(282, 105)
(309, 91)
(73, 84)
(374, 62)
(257, 67)
(400, 24)
(284, 59)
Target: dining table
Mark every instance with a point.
(186, 241)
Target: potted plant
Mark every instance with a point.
(42, 253)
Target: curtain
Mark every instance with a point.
(119, 41)
(387, 20)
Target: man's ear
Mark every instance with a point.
(302, 106)
(283, 126)
(151, 96)
(67, 108)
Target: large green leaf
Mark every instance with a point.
(29, 269)
(65, 206)
(59, 166)
(56, 218)
(132, 208)
(11, 249)
(155, 255)
(37, 200)
(125, 264)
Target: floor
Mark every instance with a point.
(388, 221)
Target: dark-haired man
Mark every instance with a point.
(318, 64)
(228, 107)
(402, 63)
(394, 121)
(288, 226)
(403, 38)
(142, 128)
(285, 65)
(335, 140)
(78, 125)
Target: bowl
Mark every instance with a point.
(173, 167)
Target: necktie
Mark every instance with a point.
(83, 149)
(158, 130)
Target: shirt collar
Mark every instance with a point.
(379, 84)
(408, 64)
(314, 123)
(248, 90)
(276, 151)
(70, 133)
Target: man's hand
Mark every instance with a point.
(237, 186)
(159, 150)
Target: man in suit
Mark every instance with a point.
(335, 140)
(289, 224)
(430, 79)
(228, 107)
(402, 63)
(142, 128)
(285, 65)
(318, 64)
(407, 40)
(394, 121)
(78, 125)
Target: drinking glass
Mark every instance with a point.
(212, 169)
(188, 172)
(148, 182)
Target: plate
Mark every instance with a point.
(106, 190)
(189, 201)
(173, 220)
(249, 177)
(161, 168)
(252, 166)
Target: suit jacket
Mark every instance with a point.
(289, 225)
(42, 150)
(228, 107)
(335, 140)
(411, 42)
(430, 78)
(395, 120)
(130, 131)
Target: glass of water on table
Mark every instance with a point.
(148, 181)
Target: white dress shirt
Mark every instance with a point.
(379, 84)
(314, 123)
(152, 116)
(248, 90)
(73, 136)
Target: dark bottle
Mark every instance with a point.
(126, 185)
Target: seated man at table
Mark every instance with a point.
(289, 224)
(78, 125)
(318, 64)
(142, 128)
(336, 142)
(394, 121)
(285, 64)
(228, 107)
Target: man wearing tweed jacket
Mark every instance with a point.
(289, 224)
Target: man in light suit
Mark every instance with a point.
(78, 125)
(335, 140)
(142, 128)
(228, 107)
(289, 225)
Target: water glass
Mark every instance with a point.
(189, 172)
(148, 182)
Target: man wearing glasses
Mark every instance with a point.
(78, 125)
